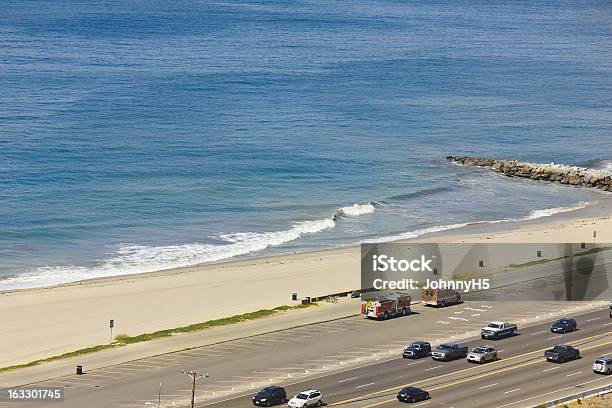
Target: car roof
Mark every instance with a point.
(411, 389)
(419, 342)
(310, 391)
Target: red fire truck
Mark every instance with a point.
(384, 308)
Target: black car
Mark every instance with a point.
(564, 325)
(417, 349)
(269, 396)
(412, 394)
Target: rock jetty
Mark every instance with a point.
(575, 176)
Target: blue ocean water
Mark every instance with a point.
(141, 135)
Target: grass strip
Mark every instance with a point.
(123, 339)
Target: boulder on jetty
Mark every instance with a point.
(571, 175)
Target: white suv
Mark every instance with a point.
(308, 398)
(603, 365)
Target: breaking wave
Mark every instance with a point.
(356, 210)
(547, 212)
(131, 259)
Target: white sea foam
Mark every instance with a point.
(547, 212)
(132, 258)
(418, 233)
(535, 214)
(356, 210)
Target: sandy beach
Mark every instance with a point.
(50, 321)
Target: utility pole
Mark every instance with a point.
(194, 377)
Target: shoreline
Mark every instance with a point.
(595, 209)
(47, 321)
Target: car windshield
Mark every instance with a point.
(301, 396)
(479, 350)
(445, 347)
(600, 362)
(494, 326)
(415, 345)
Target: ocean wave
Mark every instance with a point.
(131, 259)
(423, 193)
(547, 212)
(533, 215)
(599, 164)
(356, 210)
(418, 233)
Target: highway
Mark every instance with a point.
(522, 377)
(355, 362)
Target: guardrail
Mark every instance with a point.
(596, 392)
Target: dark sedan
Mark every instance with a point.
(412, 394)
(564, 325)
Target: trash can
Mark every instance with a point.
(79, 370)
(294, 296)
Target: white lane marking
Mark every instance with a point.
(472, 309)
(475, 314)
(553, 337)
(441, 322)
(433, 368)
(595, 318)
(348, 379)
(365, 385)
(569, 375)
(487, 386)
(415, 362)
(550, 369)
(607, 324)
(422, 403)
(459, 312)
(459, 318)
(540, 332)
(514, 390)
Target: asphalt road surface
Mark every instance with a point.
(521, 377)
(355, 362)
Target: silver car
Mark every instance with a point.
(603, 365)
(482, 354)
